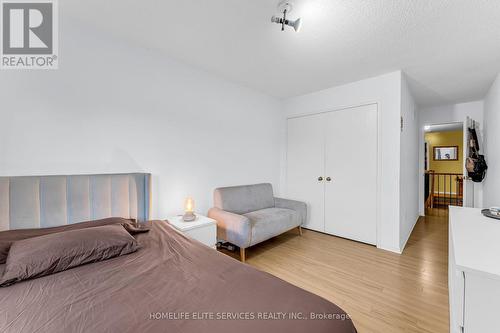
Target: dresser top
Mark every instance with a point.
(476, 241)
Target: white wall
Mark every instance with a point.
(451, 113)
(113, 108)
(409, 180)
(492, 142)
(442, 115)
(384, 90)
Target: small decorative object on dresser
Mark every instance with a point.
(203, 229)
(493, 212)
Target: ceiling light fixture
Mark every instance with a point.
(286, 7)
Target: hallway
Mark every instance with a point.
(382, 291)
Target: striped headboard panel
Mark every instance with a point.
(48, 201)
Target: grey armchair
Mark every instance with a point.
(250, 214)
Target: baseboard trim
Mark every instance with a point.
(390, 249)
(403, 245)
(349, 239)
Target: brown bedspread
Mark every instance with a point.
(172, 284)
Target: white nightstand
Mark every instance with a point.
(203, 229)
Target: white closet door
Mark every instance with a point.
(351, 163)
(305, 164)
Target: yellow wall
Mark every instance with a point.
(445, 139)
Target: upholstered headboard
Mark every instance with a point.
(48, 201)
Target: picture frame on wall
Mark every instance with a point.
(445, 153)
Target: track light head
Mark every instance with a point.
(286, 7)
(276, 19)
(296, 25)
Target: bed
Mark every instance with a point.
(171, 283)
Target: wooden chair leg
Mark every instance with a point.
(242, 255)
(300, 230)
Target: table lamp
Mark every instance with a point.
(189, 210)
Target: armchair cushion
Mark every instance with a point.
(298, 206)
(244, 199)
(270, 222)
(232, 227)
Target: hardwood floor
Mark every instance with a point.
(383, 292)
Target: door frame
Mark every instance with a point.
(379, 155)
(470, 122)
(421, 160)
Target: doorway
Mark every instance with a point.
(443, 166)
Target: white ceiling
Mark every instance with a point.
(450, 49)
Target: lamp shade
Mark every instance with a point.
(189, 205)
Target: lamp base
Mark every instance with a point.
(189, 217)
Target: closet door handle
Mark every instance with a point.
(320, 179)
(328, 179)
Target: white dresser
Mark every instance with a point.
(203, 229)
(474, 271)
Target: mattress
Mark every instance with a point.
(172, 284)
